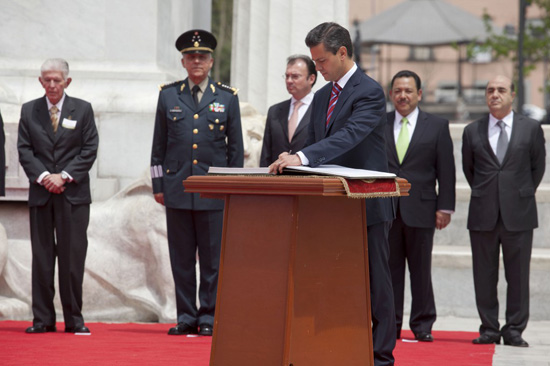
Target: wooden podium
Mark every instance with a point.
(293, 286)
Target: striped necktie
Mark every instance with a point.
(53, 117)
(336, 89)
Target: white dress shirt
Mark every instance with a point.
(494, 129)
(306, 101)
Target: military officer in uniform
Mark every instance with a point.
(197, 125)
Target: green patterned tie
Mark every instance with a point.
(403, 140)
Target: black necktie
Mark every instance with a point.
(195, 93)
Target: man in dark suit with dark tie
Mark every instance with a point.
(348, 128)
(503, 158)
(197, 125)
(419, 149)
(287, 122)
(57, 146)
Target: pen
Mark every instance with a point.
(289, 152)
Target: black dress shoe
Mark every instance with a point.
(424, 337)
(77, 330)
(182, 329)
(41, 329)
(205, 330)
(487, 339)
(515, 341)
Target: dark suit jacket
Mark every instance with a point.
(189, 139)
(355, 137)
(276, 133)
(508, 189)
(72, 150)
(2, 158)
(429, 159)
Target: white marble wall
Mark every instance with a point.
(119, 52)
(265, 33)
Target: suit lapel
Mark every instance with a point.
(43, 115)
(185, 95)
(419, 129)
(344, 94)
(321, 100)
(484, 135)
(282, 118)
(208, 96)
(304, 121)
(67, 111)
(390, 137)
(515, 136)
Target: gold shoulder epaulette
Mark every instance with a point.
(164, 86)
(228, 88)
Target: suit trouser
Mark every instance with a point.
(189, 231)
(413, 245)
(58, 229)
(383, 314)
(516, 253)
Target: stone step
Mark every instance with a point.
(452, 278)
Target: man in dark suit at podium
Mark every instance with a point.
(347, 128)
(287, 122)
(420, 149)
(503, 158)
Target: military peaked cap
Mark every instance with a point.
(196, 41)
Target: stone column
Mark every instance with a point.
(119, 52)
(265, 33)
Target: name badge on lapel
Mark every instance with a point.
(69, 123)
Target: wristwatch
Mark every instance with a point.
(64, 176)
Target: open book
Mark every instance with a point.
(331, 170)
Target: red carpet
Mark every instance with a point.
(148, 344)
(448, 349)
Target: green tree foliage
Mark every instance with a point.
(536, 44)
(222, 24)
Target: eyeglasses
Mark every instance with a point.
(292, 77)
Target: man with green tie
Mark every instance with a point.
(419, 149)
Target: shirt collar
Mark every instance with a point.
(344, 79)
(59, 104)
(305, 100)
(508, 119)
(412, 117)
(202, 85)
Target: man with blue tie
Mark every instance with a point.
(347, 128)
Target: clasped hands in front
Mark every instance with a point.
(54, 183)
(285, 159)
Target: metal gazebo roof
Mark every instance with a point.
(422, 23)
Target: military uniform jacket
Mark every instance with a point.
(189, 139)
